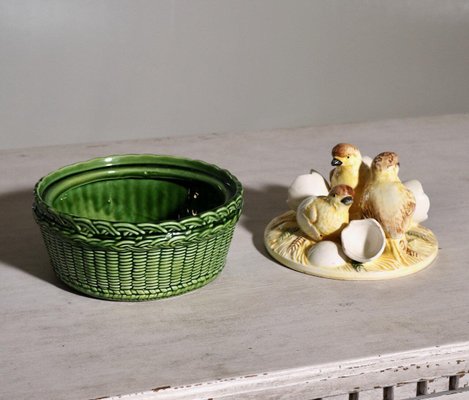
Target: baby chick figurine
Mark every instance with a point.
(324, 216)
(387, 200)
(351, 171)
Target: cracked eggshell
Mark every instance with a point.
(326, 254)
(367, 160)
(422, 201)
(304, 186)
(363, 240)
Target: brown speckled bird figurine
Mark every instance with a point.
(388, 201)
(351, 171)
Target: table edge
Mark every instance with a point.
(315, 380)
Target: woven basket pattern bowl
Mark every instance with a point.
(137, 227)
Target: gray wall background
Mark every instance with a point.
(78, 70)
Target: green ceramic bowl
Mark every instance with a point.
(137, 227)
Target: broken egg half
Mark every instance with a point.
(363, 240)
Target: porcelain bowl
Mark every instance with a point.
(139, 226)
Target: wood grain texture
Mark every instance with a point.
(257, 317)
(407, 371)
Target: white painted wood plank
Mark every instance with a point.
(454, 396)
(404, 391)
(339, 397)
(438, 385)
(464, 381)
(445, 396)
(257, 318)
(374, 394)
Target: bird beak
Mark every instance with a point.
(347, 200)
(335, 162)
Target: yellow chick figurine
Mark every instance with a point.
(351, 171)
(325, 216)
(387, 200)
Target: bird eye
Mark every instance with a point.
(398, 164)
(348, 156)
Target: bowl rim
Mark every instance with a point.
(228, 210)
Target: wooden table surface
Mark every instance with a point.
(259, 330)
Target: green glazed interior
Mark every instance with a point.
(137, 189)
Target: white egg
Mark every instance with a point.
(363, 240)
(306, 185)
(422, 201)
(326, 254)
(367, 160)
